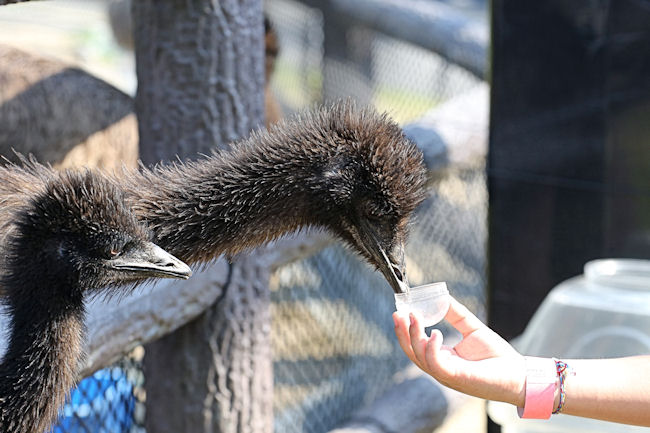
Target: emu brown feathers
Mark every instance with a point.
(345, 169)
(65, 235)
(348, 170)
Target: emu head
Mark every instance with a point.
(370, 184)
(79, 230)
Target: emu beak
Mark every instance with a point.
(150, 261)
(390, 263)
(393, 267)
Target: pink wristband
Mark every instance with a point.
(541, 383)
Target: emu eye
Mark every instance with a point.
(113, 252)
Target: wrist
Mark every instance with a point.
(544, 392)
(556, 398)
(520, 390)
(540, 389)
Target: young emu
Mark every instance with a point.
(72, 237)
(348, 170)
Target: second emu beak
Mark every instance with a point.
(149, 260)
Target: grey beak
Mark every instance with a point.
(394, 269)
(151, 261)
(390, 263)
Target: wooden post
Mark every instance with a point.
(200, 68)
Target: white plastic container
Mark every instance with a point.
(429, 302)
(603, 313)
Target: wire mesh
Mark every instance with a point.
(332, 333)
(109, 401)
(395, 76)
(297, 77)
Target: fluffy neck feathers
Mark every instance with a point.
(222, 205)
(303, 172)
(41, 362)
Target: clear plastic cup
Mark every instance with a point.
(429, 302)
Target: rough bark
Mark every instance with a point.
(215, 373)
(200, 72)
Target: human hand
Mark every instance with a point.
(482, 364)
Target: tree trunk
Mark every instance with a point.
(200, 68)
(215, 373)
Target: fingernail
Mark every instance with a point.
(395, 322)
(412, 318)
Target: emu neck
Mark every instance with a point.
(40, 365)
(227, 203)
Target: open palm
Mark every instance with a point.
(482, 364)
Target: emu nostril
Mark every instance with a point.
(162, 262)
(398, 273)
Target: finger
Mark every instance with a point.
(435, 341)
(431, 352)
(402, 334)
(462, 319)
(418, 339)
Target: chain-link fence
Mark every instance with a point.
(109, 401)
(333, 341)
(324, 56)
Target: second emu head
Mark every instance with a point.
(80, 234)
(69, 236)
